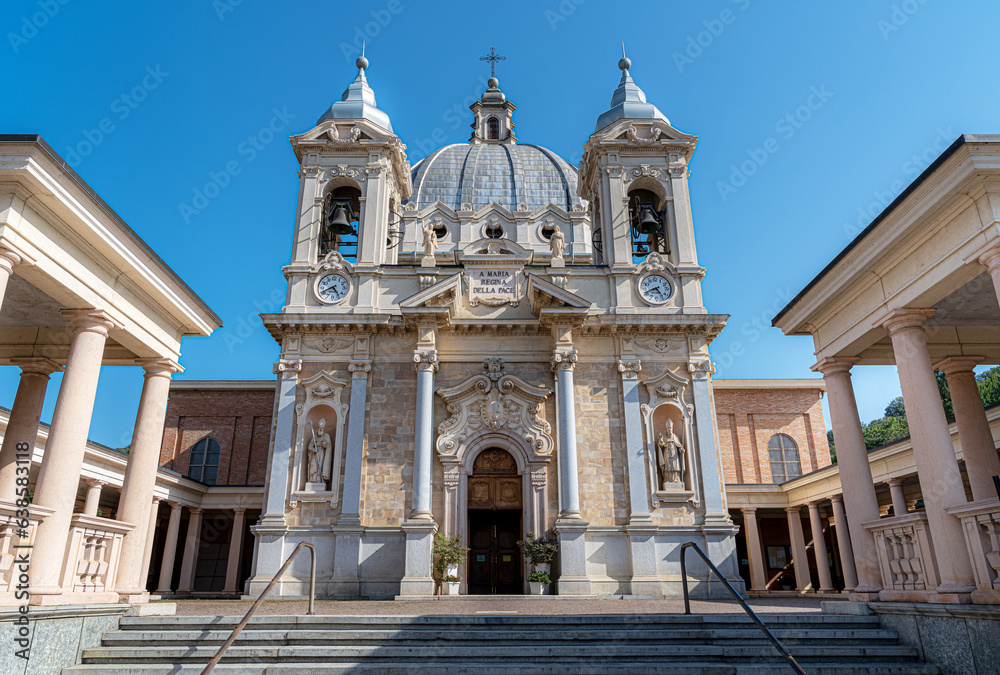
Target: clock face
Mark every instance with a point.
(332, 288)
(655, 288)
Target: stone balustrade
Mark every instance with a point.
(981, 525)
(15, 532)
(905, 556)
(92, 556)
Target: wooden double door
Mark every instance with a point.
(494, 558)
(495, 565)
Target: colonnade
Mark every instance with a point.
(933, 451)
(59, 474)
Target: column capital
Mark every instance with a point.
(894, 482)
(425, 359)
(287, 368)
(814, 504)
(91, 320)
(834, 365)
(36, 365)
(563, 359)
(748, 509)
(837, 499)
(794, 509)
(174, 506)
(905, 318)
(157, 500)
(240, 511)
(194, 510)
(359, 369)
(629, 369)
(988, 255)
(701, 370)
(159, 367)
(95, 482)
(958, 364)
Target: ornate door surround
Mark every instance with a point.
(487, 411)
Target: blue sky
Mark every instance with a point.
(183, 89)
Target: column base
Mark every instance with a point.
(573, 579)
(133, 597)
(419, 558)
(49, 600)
(346, 555)
(926, 596)
(642, 547)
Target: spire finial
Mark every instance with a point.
(362, 62)
(493, 57)
(624, 64)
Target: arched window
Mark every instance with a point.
(784, 455)
(493, 129)
(203, 464)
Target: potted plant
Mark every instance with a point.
(450, 554)
(540, 552)
(537, 581)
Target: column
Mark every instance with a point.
(718, 528)
(140, 475)
(844, 543)
(59, 475)
(898, 496)
(563, 364)
(991, 259)
(169, 549)
(819, 549)
(22, 427)
(348, 530)
(92, 503)
(940, 480)
(426, 365)
(638, 488)
(800, 561)
(272, 527)
(8, 259)
(191, 545)
(855, 476)
(235, 551)
(978, 449)
(755, 550)
(147, 553)
(570, 528)
(420, 527)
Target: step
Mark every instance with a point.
(486, 653)
(522, 667)
(457, 635)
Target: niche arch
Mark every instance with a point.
(322, 399)
(667, 402)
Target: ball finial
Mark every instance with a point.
(361, 63)
(624, 63)
(493, 83)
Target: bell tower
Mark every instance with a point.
(634, 175)
(354, 177)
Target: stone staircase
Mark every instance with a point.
(499, 644)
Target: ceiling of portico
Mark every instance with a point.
(31, 325)
(974, 304)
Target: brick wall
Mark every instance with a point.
(748, 417)
(239, 419)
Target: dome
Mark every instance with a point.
(506, 173)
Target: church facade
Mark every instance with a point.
(488, 344)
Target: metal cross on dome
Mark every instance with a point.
(493, 57)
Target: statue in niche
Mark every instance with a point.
(557, 243)
(670, 454)
(319, 452)
(430, 240)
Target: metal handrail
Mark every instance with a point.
(257, 603)
(739, 598)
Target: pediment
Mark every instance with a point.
(644, 132)
(493, 250)
(344, 132)
(435, 301)
(438, 208)
(496, 209)
(548, 299)
(550, 210)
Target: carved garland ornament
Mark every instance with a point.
(494, 401)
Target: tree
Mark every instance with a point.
(895, 408)
(942, 383)
(989, 386)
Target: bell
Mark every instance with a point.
(648, 223)
(339, 222)
(640, 249)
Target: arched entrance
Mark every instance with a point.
(494, 563)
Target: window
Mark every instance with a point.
(784, 455)
(493, 129)
(204, 462)
(494, 230)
